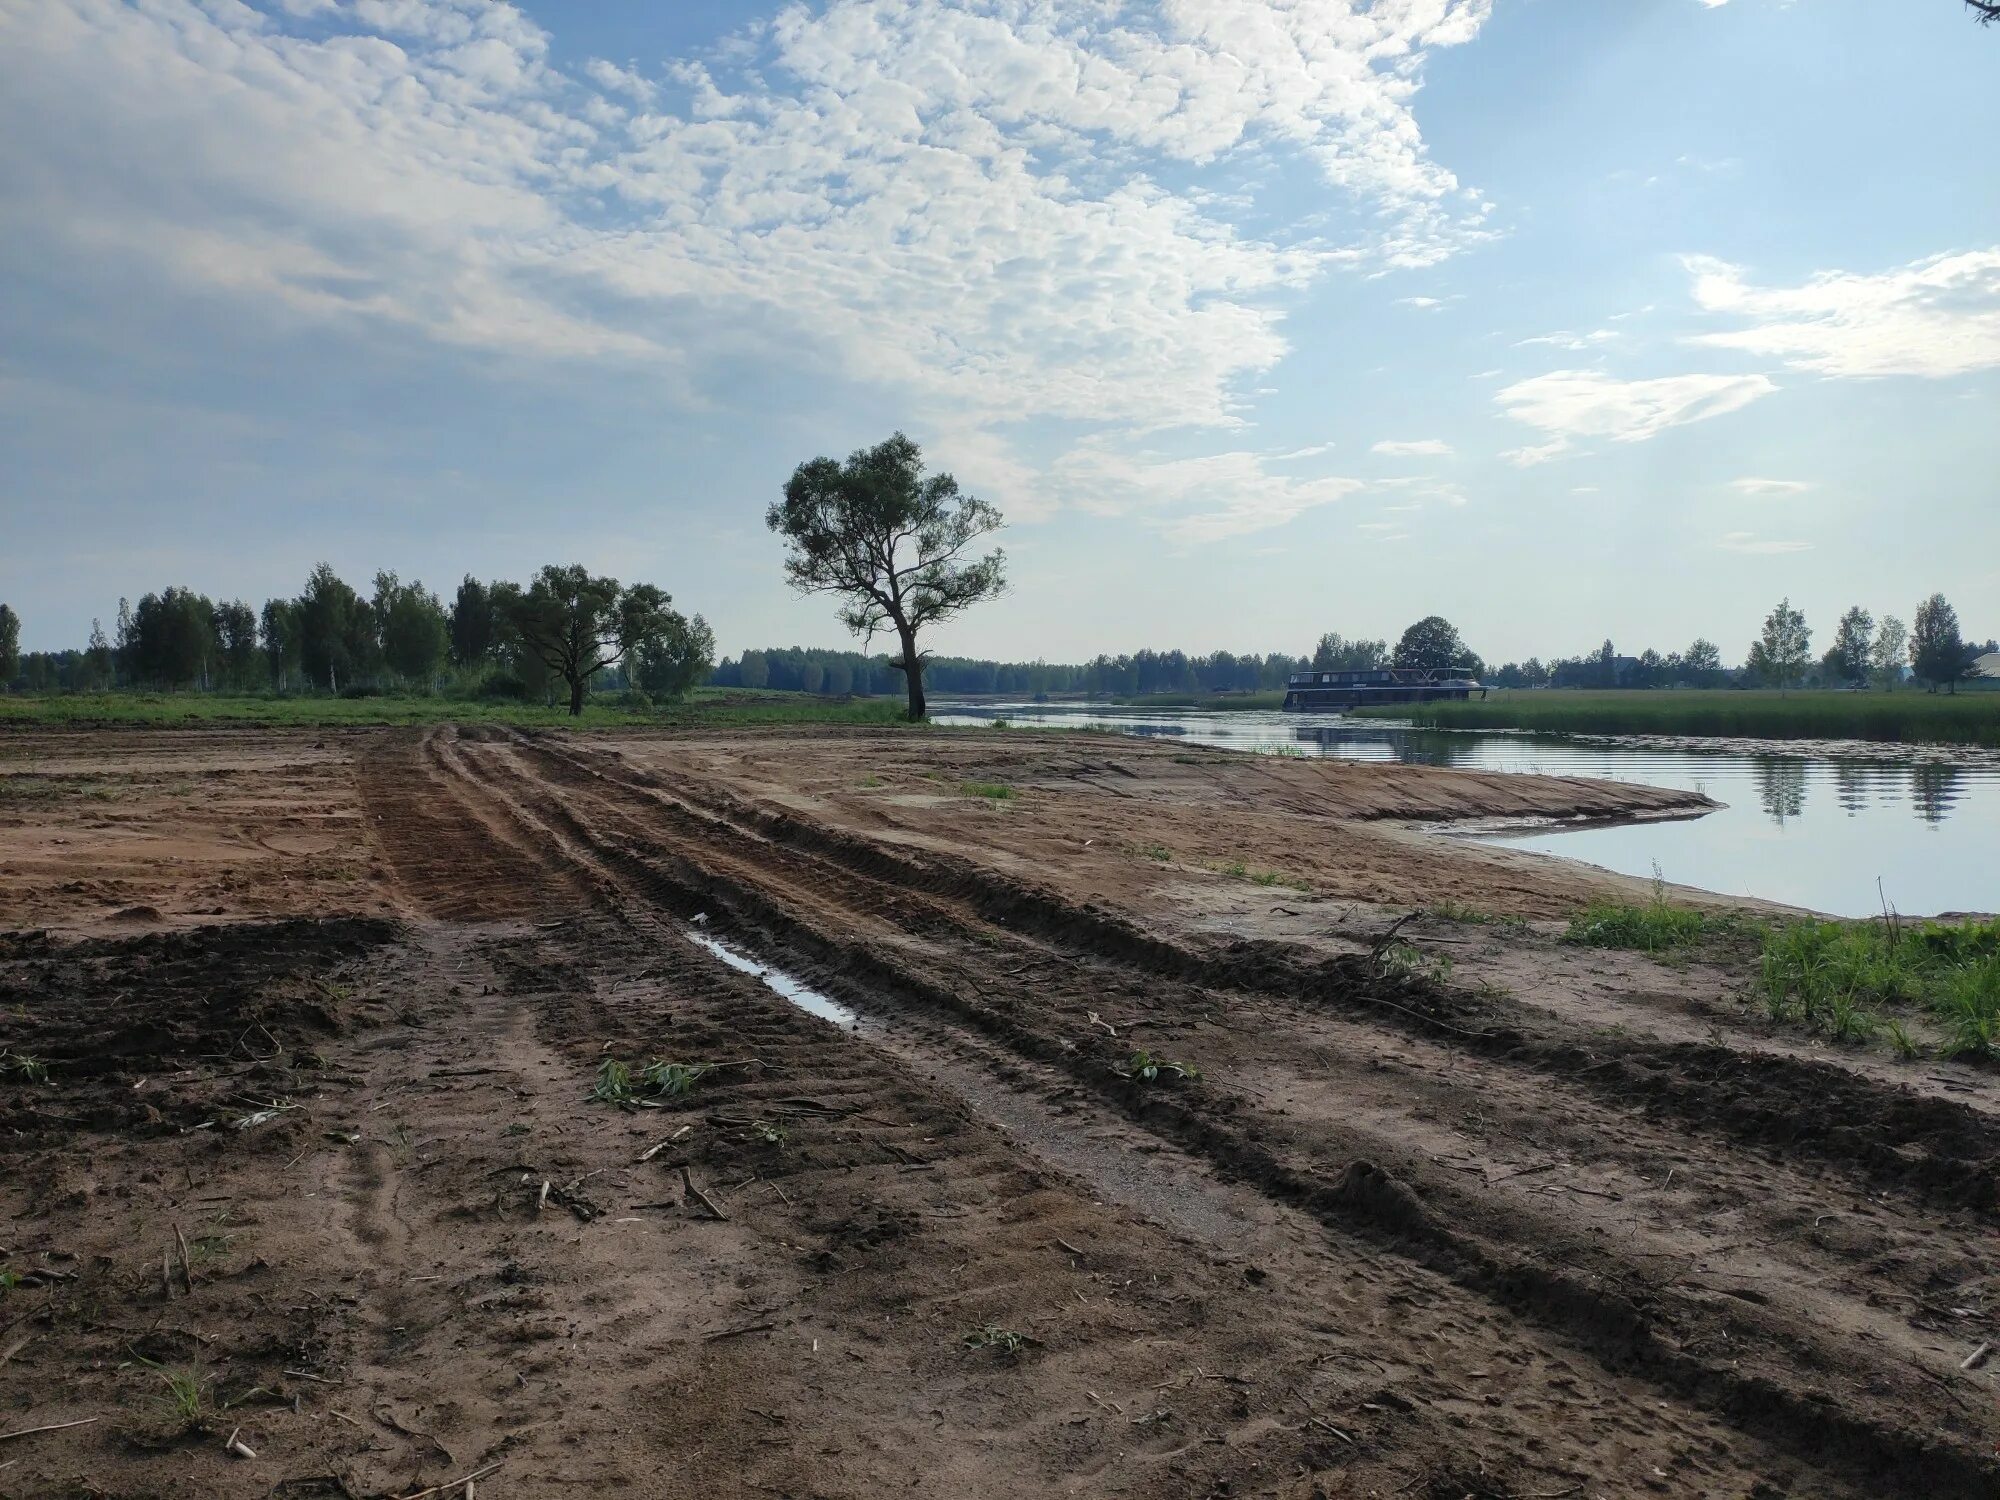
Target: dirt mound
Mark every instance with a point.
(170, 1030)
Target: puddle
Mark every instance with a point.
(1055, 1121)
(804, 996)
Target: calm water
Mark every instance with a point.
(1807, 830)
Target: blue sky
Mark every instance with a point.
(1563, 318)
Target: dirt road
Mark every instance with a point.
(315, 1165)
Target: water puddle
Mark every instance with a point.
(804, 996)
(1057, 1121)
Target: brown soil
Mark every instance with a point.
(320, 1016)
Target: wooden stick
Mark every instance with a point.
(452, 1484)
(52, 1427)
(17, 1346)
(187, 1267)
(1976, 1358)
(235, 1444)
(687, 1181)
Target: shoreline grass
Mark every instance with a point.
(1851, 981)
(1908, 717)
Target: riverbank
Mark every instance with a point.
(1905, 717)
(1154, 1163)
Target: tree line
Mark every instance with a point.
(553, 638)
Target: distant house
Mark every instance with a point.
(1987, 665)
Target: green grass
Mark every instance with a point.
(1839, 978)
(1907, 716)
(996, 791)
(706, 707)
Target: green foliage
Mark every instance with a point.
(1434, 643)
(704, 707)
(996, 791)
(1146, 1068)
(993, 1336)
(20, 1065)
(1403, 960)
(1783, 651)
(890, 541)
(617, 1084)
(415, 633)
(672, 1079)
(575, 625)
(668, 664)
(1837, 976)
(10, 644)
(1655, 927)
(1938, 654)
(1901, 718)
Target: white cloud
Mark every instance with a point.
(1191, 500)
(1423, 304)
(1417, 448)
(961, 200)
(1935, 317)
(1313, 451)
(1573, 342)
(1749, 542)
(1571, 404)
(1769, 487)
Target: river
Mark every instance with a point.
(1809, 830)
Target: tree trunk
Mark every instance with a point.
(576, 697)
(913, 673)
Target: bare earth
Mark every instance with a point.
(321, 1012)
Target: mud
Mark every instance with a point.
(1552, 1223)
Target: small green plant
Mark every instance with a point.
(994, 791)
(671, 1078)
(186, 1400)
(519, 1127)
(1147, 1068)
(1001, 724)
(1906, 1046)
(1969, 1007)
(870, 783)
(1449, 910)
(1656, 927)
(770, 1132)
(1158, 852)
(992, 1336)
(614, 1083)
(1401, 960)
(23, 1066)
(8, 1281)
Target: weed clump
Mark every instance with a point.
(994, 791)
(1146, 1068)
(618, 1084)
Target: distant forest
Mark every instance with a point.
(331, 639)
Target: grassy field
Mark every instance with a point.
(1904, 717)
(707, 706)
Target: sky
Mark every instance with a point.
(1562, 318)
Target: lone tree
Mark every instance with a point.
(1853, 646)
(1938, 652)
(1781, 653)
(1433, 642)
(10, 645)
(577, 625)
(892, 541)
(1892, 644)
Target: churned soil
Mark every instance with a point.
(1117, 1154)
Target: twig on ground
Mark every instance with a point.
(235, 1444)
(463, 1483)
(1976, 1358)
(187, 1267)
(731, 1333)
(687, 1181)
(52, 1427)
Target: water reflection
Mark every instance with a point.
(1781, 787)
(1812, 831)
(1935, 790)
